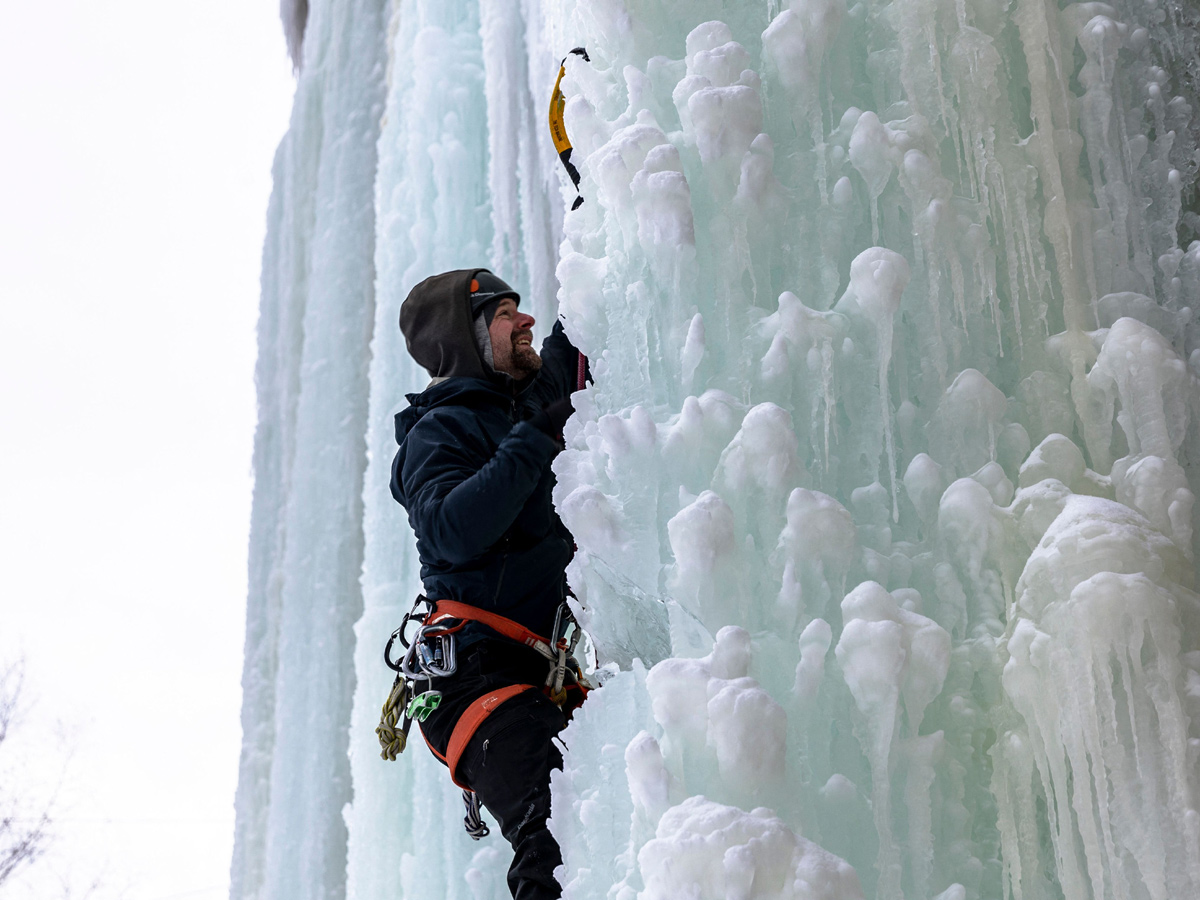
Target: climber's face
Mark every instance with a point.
(512, 341)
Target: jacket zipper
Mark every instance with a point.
(512, 417)
(500, 580)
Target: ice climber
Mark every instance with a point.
(473, 472)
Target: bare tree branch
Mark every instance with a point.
(22, 838)
(12, 677)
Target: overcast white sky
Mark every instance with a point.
(136, 139)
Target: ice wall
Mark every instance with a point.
(884, 493)
(893, 443)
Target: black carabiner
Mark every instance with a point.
(399, 632)
(413, 614)
(387, 651)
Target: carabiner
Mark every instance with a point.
(387, 651)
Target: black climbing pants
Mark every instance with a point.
(508, 760)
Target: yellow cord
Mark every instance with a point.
(392, 739)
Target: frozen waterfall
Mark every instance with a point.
(884, 492)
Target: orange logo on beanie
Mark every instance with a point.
(474, 285)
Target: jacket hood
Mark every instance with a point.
(438, 325)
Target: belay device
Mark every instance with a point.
(431, 654)
(558, 130)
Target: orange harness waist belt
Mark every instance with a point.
(453, 609)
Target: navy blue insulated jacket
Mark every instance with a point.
(472, 473)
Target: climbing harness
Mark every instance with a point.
(468, 723)
(558, 130)
(431, 654)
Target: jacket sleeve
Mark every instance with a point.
(559, 376)
(461, 500)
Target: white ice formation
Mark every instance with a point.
(885, 490)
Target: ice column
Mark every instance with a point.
(433, 215)
(462, 182)
(307, 534)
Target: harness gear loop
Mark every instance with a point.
(558, 130)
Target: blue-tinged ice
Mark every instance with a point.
(884, 493)
(306, 543)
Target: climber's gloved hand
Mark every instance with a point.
(553, 417)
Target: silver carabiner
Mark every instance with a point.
(432, 654)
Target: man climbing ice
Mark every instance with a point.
(473, 472)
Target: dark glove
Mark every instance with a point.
(553, 417)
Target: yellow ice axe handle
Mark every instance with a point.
(558, 129)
